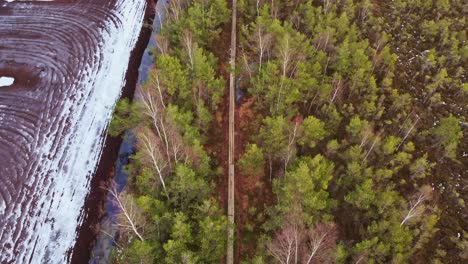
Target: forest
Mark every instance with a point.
(351, 130)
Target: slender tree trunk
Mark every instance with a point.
(407, 133)
(151, 150)
(413, 212)
(125, 211)
(291, 142)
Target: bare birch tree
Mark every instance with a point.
(187, 39)
(295, 245)
(291, 145)
(258, 7)
(153, 109)
(285, 54)
(263, 41)
(337, 90)
(247, 64)
(322, 240)
(130, 218)
(408, 133)
(376, 139)
(175, 8)
(150, 148)
(162, 43)
(154, 81)
(361, 258)
(285, 246)
(417, 207)
(367, 134)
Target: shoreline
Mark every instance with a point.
(93, 206)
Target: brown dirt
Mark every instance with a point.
(221, 131)
(46, 54)
(222, 52)
(48, 48)
(251, 191)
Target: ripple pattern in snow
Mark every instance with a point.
(68, 60)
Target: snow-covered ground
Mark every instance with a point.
(39, 225)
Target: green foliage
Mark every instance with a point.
(183, 122)
(390, 144)
(369, 79)
(137, 252)
(447, 135)
(201, 160)
(126, 116)
(333, 146)
(144, 182)
(208, 86)
(177, 248)
(212, 237)
(266, 85)
(187, 189)
(302, 192)
(187, 224)
(252, 163)
(421, 167)
(427, 230)
(341, 254)
(204, 19)
(314, 131)
(274, 135)
(357, 129)
(363, 196)
(172, 75)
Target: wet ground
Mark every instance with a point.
(106, 238)
(62, 67)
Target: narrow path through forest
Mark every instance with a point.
(232, 63)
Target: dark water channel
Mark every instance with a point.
(105, 240)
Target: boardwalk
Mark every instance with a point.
(232, 62)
